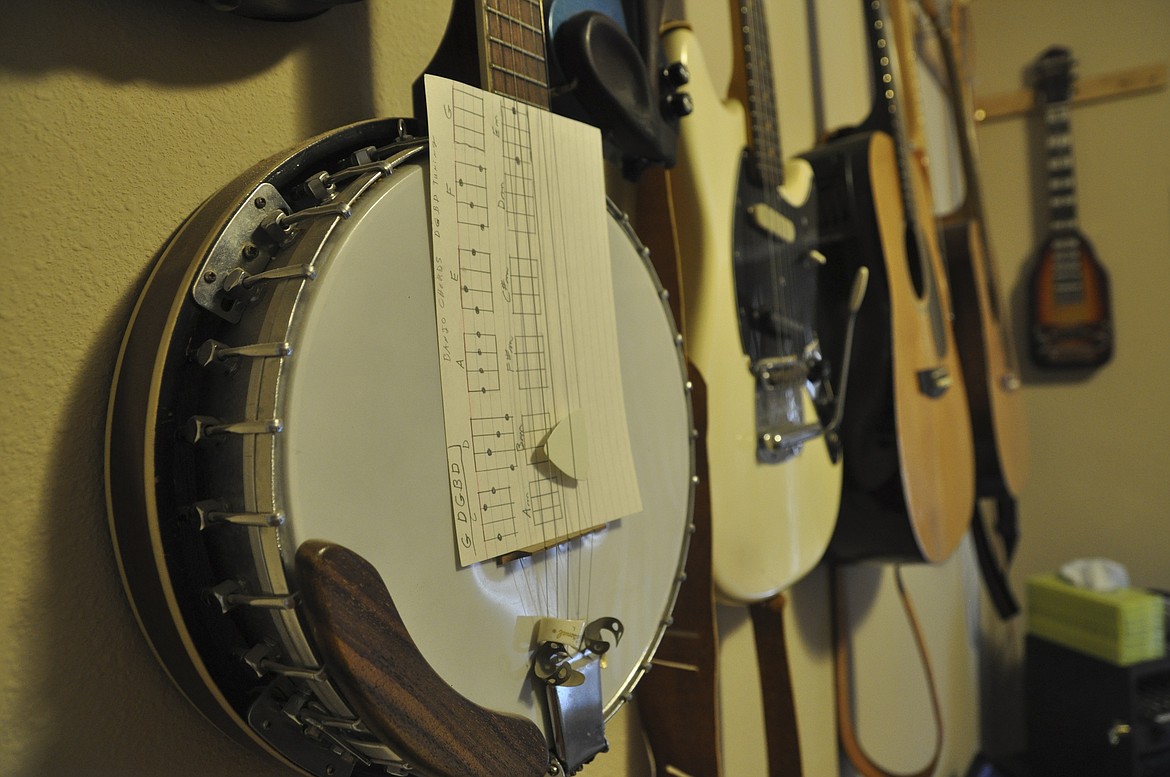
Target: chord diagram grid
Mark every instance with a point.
(544, 497)
(492, 442)
(483, 363)
(499, 517)
(512, 352)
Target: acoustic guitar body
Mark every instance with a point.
(909, 481)
(982, 330)
(1071, 323)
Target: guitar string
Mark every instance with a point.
(800, 295)
(758, 111)
(765, 119)
(533, 569)
(576, 551)
(957, 48)
(559, 557)
(903, 81)
(581, 493)
(510, 25)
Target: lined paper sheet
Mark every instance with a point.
(537, 442)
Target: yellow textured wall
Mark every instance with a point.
(119, 116)
(1100, 459)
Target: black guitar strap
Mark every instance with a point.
(1007, 524)
(993, 565)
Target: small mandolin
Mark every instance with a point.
(1070, 324)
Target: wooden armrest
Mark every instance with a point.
(370, 655)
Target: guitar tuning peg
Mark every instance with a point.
(679, 104)
(676, 74)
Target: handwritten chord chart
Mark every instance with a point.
(525, 313)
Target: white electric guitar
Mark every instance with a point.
(745, 231)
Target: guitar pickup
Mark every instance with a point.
(773, 222)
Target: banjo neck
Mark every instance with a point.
(504, 51)
(512, 43)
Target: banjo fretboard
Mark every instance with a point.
(514, 50)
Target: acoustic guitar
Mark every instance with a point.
(745, 231)
(279, 482)
(986, 347)
(909, 473)
(1070, 317)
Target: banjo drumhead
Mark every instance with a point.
(360, 461)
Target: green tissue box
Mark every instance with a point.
(1123, 627)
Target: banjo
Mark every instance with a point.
(278, 487)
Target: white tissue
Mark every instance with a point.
(1095, 574)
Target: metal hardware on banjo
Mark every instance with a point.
(278, 383)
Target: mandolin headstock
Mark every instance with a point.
(1052, 75)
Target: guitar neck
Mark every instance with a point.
(1068, 272)
(901, 19)
(1054, 81)
(896, 106)
(956, 65)
(756, 85)
(512, 48)
(1062, 198)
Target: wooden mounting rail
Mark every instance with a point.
(1138, 79)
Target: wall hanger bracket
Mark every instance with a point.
(1123, 82)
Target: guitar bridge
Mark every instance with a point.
(781, 429)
